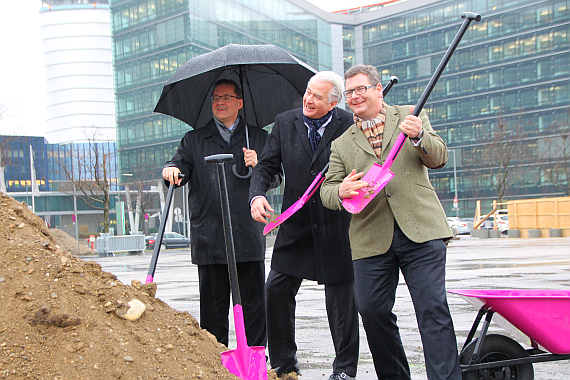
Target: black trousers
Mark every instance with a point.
(280, 292)
(214, 283)
(376, 279)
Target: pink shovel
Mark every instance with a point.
(247, 363)
(300, 203)
(378, 176)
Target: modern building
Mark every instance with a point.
(508, 79)
(76, 37)
(53, 167)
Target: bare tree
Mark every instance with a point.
(555, 151)
(141, 181)
(89, 173)
(500, 159)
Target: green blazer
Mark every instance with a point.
(408, 198)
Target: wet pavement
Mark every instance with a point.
(471, 264)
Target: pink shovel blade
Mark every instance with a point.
(297, 205)
(247, 363)
(377, 177)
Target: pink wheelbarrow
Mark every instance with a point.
(540, 318)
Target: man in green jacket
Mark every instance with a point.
(402, 228)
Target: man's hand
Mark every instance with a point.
(412, 125)
(171, 174)
(259, 209)
(250, 157)
(351, 184)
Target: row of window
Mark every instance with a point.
(153, 158)
(493, 26)
(500, 103)
(468, 132)
(490, 79)
(155, 128)
(130, 15)
(526, 45)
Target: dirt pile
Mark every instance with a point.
(68, 243)
(59, 316)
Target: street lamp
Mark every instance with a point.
(455, 200)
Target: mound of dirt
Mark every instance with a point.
(62, 318)
(68, 243)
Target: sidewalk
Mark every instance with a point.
(471, 263)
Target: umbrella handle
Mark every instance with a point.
(250, 170)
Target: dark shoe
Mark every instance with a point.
(283, 370)
(341, 376)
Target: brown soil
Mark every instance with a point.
(58, 316)
(68, 243)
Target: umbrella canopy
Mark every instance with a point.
(272, 81)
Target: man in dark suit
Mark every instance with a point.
(313, 243)
(224, 133)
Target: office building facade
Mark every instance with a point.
(509, 75)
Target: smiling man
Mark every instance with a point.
(313, 243)
(402, 228)
(224, 133)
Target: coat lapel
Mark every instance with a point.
(330, 131)
(391, 130)
(303, 133)
(361, 140)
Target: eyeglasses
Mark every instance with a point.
(225, 98)
(358, 90)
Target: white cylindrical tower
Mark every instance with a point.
(80, 104)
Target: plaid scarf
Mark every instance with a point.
(373, 129)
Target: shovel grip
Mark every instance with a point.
(218, 158)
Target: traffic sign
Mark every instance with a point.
(73, 218)
(455, 202)
(146, 216)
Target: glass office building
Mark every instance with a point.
(152, 38)
(510, 73)
(512, 69)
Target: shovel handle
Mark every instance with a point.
(160, 233)
(468, 17)
(219, 160)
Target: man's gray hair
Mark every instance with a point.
(368, 70)
(336, 80)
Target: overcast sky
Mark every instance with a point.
(22, 69)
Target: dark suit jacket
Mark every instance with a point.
(313, 243)
(206, 228)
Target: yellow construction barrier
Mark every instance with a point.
(550, 216)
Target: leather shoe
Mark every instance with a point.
(341, 376)
(283, 370)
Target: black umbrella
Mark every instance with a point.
(272, 81)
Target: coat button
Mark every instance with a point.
(312, 172)
(314, 200)
(314, 226)
(388, 195)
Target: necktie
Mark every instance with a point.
(314, 136)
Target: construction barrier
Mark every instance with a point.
(107, 244)
(545, 217)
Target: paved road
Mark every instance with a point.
(471, 263)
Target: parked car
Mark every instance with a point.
(169, 240)
(459, 224)
(502, 222)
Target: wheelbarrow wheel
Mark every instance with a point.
(496, 348)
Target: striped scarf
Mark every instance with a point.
(373, 129)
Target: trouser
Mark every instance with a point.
(214, 286)
(280, 292)
(376, 279)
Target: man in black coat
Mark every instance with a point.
(313, 243)
(225, 133)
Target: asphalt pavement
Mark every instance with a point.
(471, 264)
